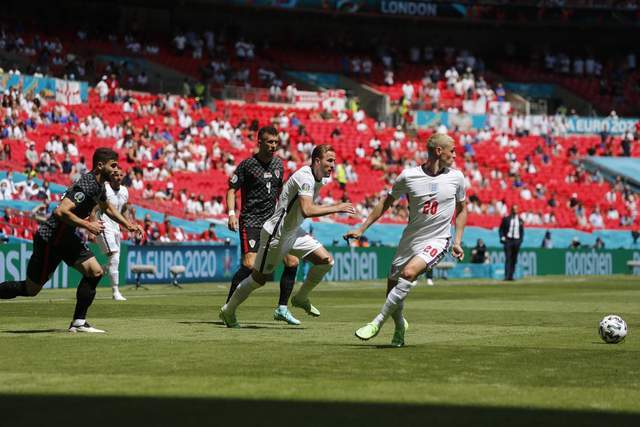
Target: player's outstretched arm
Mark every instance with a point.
(113, 213)
(64, 213)
(309, 210)
(231, 209)
(376, 213)
(461, 222)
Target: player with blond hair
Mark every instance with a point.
(435, 192)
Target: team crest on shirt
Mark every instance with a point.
(277, 172)
(252, 243)
(306, 186)
(78, 197)
(433, 187)
(234, 178)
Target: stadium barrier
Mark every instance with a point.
(575, 125)
(15, 256)
(373, 263)
(203, 263)
(217, 263)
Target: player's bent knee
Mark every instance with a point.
(259, 278)
(327, 260)
(291, 262)
(408, 274)
(248, 260)
(95, 272)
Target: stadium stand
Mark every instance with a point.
(179, 153)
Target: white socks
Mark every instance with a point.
(394, 302)
(314, 276)
(112, 271)
(241, 293)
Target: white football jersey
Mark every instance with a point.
(117, 199)
(432, 202)
(288, 216)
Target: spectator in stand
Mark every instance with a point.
(167, 193)
(151, 231)
(44, 193)
(138, 182)
(80, 169)
(408, 91)
(113, 88)
(388, 77)
(214, 206)
(595, 219)
(626, 145)
(66, 165)
(501, 94)
(103, 89)
(31, 156)
(30, 190)
(5, 152)
(5, 191)
(210, 234)
(148, 193)
(165, 229)
(341, 177)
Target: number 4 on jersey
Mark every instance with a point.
(430, 207)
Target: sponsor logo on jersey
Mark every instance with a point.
(234, 178)
(267, 175)
(252, 243)
(79, 197)
(433, 187)
(306, 186)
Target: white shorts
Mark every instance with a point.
(430, 251)
(109, 241)
(273, 249)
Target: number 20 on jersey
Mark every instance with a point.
(430, 207)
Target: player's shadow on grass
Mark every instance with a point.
(34, 331)
(363, 346)
(251, 325)
(54, 410)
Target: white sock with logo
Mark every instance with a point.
(395, 300)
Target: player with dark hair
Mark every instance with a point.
(259, 180)
(282, 235)
(58, 239)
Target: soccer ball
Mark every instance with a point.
(613, 329)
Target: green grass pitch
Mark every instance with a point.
(478, 353)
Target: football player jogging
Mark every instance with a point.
(109, 239)
(435, 191)
(281, 235)
(58, 240)
(259, 179)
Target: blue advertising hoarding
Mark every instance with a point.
(203, 263)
